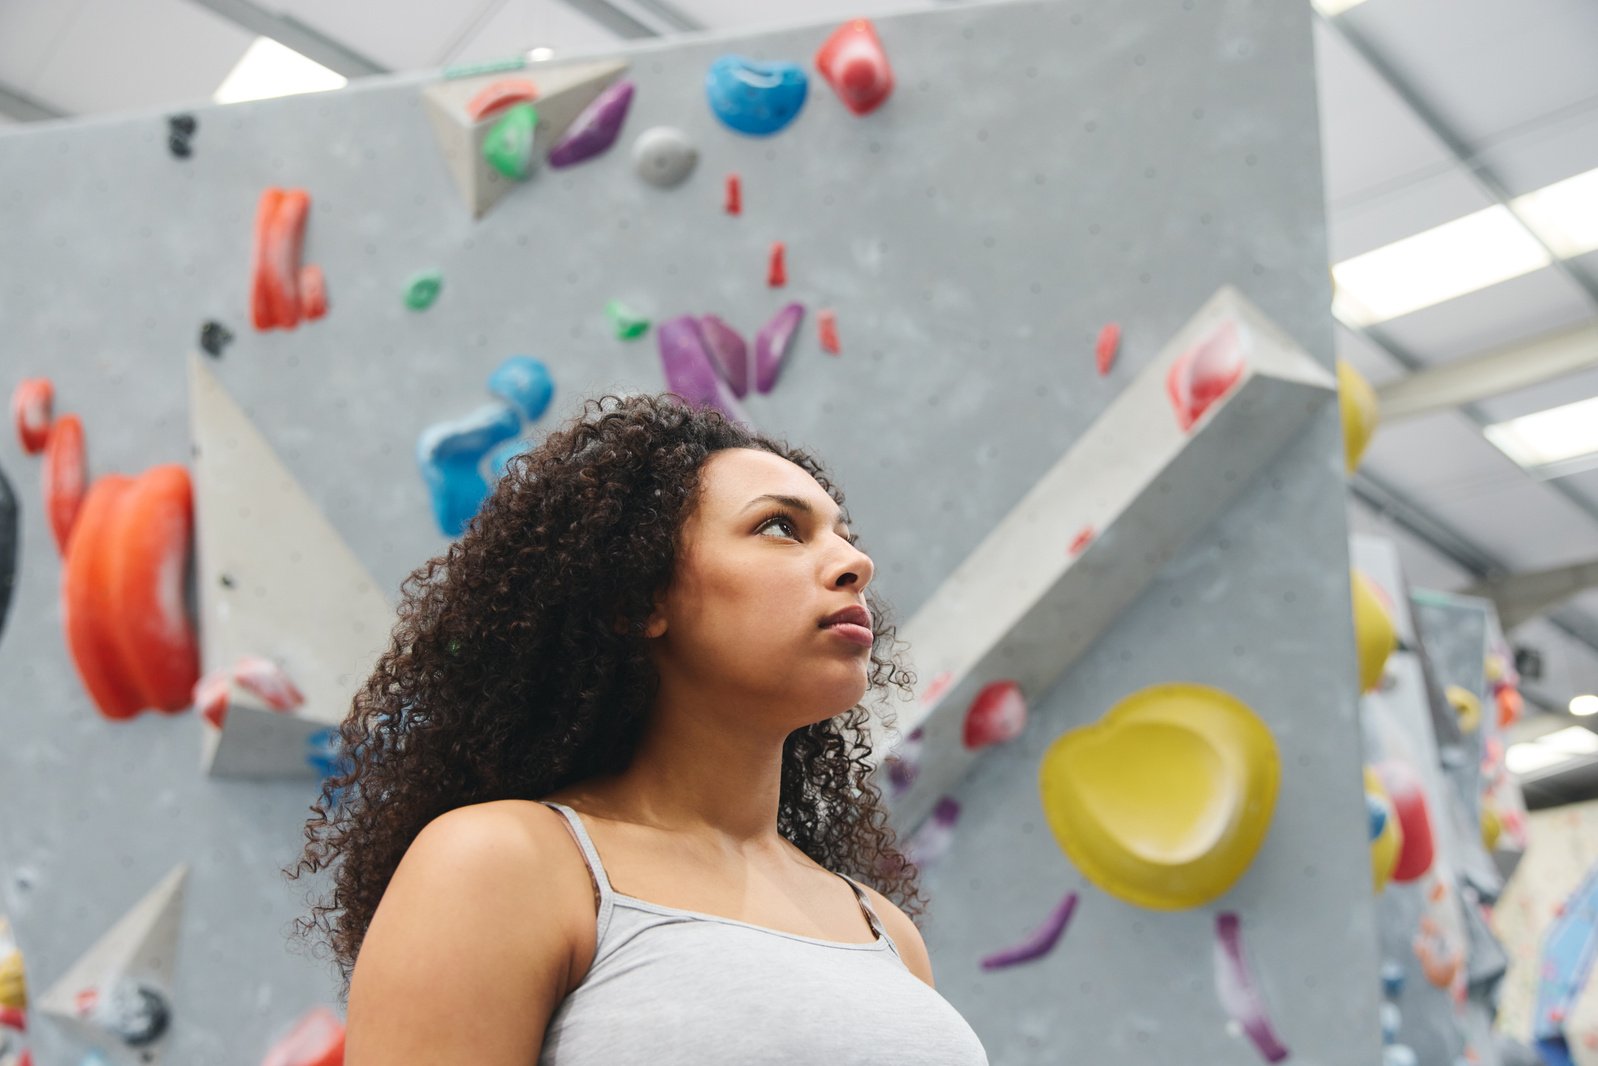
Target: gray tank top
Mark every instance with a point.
(671, 987)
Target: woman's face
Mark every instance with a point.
(756, 576)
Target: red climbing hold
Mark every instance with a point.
(856, 66)
(313, 291)
(735, 195)
(65, 475)
(1108, 347)
(279, 236)
(1083, 539)
(997, 714)
(31, 407)
(827, 325)
(498, 96)
(1205, 373)
(777, 272)
(317, 1039)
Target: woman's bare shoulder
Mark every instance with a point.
(904, 933)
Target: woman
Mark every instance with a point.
(607, 784)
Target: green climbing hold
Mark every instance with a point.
(629, 324)
(423, 290)
(509, 145)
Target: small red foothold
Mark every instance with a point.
(32, 406)
(498, 96)
(1083, 539)
(313, 291)
(65, 477)
(777, 273)
(735, 195)
(1108, 347)
(827, 324)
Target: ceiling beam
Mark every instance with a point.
(636, 19)
(290, 32)
(24, 108)
(1519, 597)
(1502, 370)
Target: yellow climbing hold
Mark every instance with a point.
(1357, 400)
(1374, 635)
(1467, 706)
(1389, 841)
(1167, 799)
(1492, 827)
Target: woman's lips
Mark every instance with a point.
(853, 633)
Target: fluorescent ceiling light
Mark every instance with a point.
(1335, 7)
(269, 69)
(1564, 214)
(1551, 749)
(1584, 705)
(1457, 257)
(1559, 435)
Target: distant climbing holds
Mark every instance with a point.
(498, 96)
(280, 219)
(1080, 542)
(734, 204)
(772, 344)
(827, 329)
(1165, 802)
(313, 291)
(525, 384)
(450, 456)
(32, 408)
(998, 714)
(628, 324)
(596, 129)
(934, 837)
(904, 761)
(688, 368)
(1386, 835)
(1375, 637)
(179, 133)
(1466, 706)
(1239, 993)
(1108, 347)
(1510, 705)
(856, 66)
(423, 289)
(1205, 373)
(214, 337)
(1408, 795)
(509, 144)
(65, 477)
(317, 1039)
(777, 266)
(1360, 410)
(755, 98)
(729, 351)
(8, 546)
(1041, 942)
(261, 677)
(130, 1010)
(664, 156)
(1441, 960)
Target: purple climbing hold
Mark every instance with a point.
(731, 353)
(772, 344)
(689, 372)
(596, 129)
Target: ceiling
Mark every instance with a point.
(1430, 111)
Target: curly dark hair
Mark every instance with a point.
(556, 574)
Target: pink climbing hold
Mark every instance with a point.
(998, 714)
(1108, 347)
(856, 66)
(500, 95)
(827, 326)
(1083, 539)
(729, 351)
(1205, 373)
(773, 342)
(1239, 994)
(268, 681)
(937, 687)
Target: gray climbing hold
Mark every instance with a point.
(663, 156)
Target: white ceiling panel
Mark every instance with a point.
(1369, 140)
(125, 56)
(1432, 198)
(30, 33)
(1440, 454)
(742, 14)
(518, 25)
(1560, 146)
(1524, 522)
(1535, 303)
(1585, 483)
(408, 36)
(1488, 65)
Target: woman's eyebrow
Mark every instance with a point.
(796, 503)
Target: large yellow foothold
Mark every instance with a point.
(1390, 841)
(1361, 411)
(1467, 706)
(1166, 800)
(1374, 634)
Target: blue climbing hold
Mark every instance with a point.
(525, 384)
(1376, 811)
(1392, 979)
(755, 98)
(450, 456)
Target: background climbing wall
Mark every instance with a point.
(1041, 169)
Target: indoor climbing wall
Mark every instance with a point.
(959, 253)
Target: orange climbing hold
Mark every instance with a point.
(827, 326)
(777, 272)
(65, 475)
(280, 218)
(500, 95)
(313, 291)
(1108, 347)
(735, 195)
(32, 404)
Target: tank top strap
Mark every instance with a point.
(870, 911)
(603, 893)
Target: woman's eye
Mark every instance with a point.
(784, 520)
